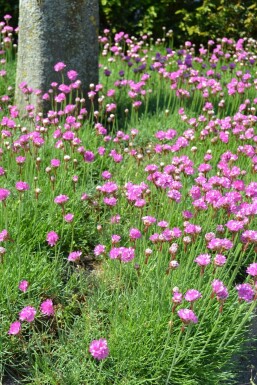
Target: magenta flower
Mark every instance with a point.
(203, 259)
(15, 328)
(134, 234)
(61, 199)
(23, 286)
(219, 260)
(110, 201)
(192, 295)
(252, 270)
(187, 316)
(4, 236)
(99, 250)
(47, 307)
(72, 75)
(27, 314)
(55, 163)
(59, 66)
(99, 349)
(89, 156)
(69, 217)
(125, 254)
(245, 292)
(74, 256)
(52, 238)
(22, 186)
(115, 238)
(219, 289)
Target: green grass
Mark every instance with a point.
(103, 298)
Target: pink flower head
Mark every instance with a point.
(219, 289)
(203, 259)
(192, 295)
(23, 286)
(69, 217)
(115, 219)
(55, 163)
(134, 234)
(59, 66)
(27, 314)
(4, 193)
(4, 236)
(61, 199)
(47, 307)
(99, 250)
(187, 316)
(252, 270)
(245, 292)
(22, 186)
(115, 239)
(74, 256)
(99, 349)
(52, 238)
(72, 75)
(219, 260)
(15, 328)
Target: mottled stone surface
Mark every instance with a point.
(54, 31)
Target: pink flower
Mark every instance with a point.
(219, 289)
(59, 66)
(192, 295)
(203, 259)
(69, 217)
(23, 286)
(47, 307)
(187, 316)
(52, 238)
(220, 260)
(245, 292)
(74, 256)
(4, 236)
(115, 239)
(99, 349)
(252, 269)
(4, 193)
(72, 75)
(134, 234)
(55, 163)
(61, 199)
(99, 250)
(27, 314)
(115, 219)
(15, 328)
(22, 186)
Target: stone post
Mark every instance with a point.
(52, 31)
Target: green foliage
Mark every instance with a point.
(219, 18)
(189, 19)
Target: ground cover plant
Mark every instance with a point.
(128, 232)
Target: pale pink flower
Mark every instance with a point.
(47, 307)
(23, 286)
(15, 328)
(187, 316)
(59, 66)
(61, 199)
(99, 349)
(69, 217)
(74, 256)
(22, 186)
(52, 238)
(27, 314)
